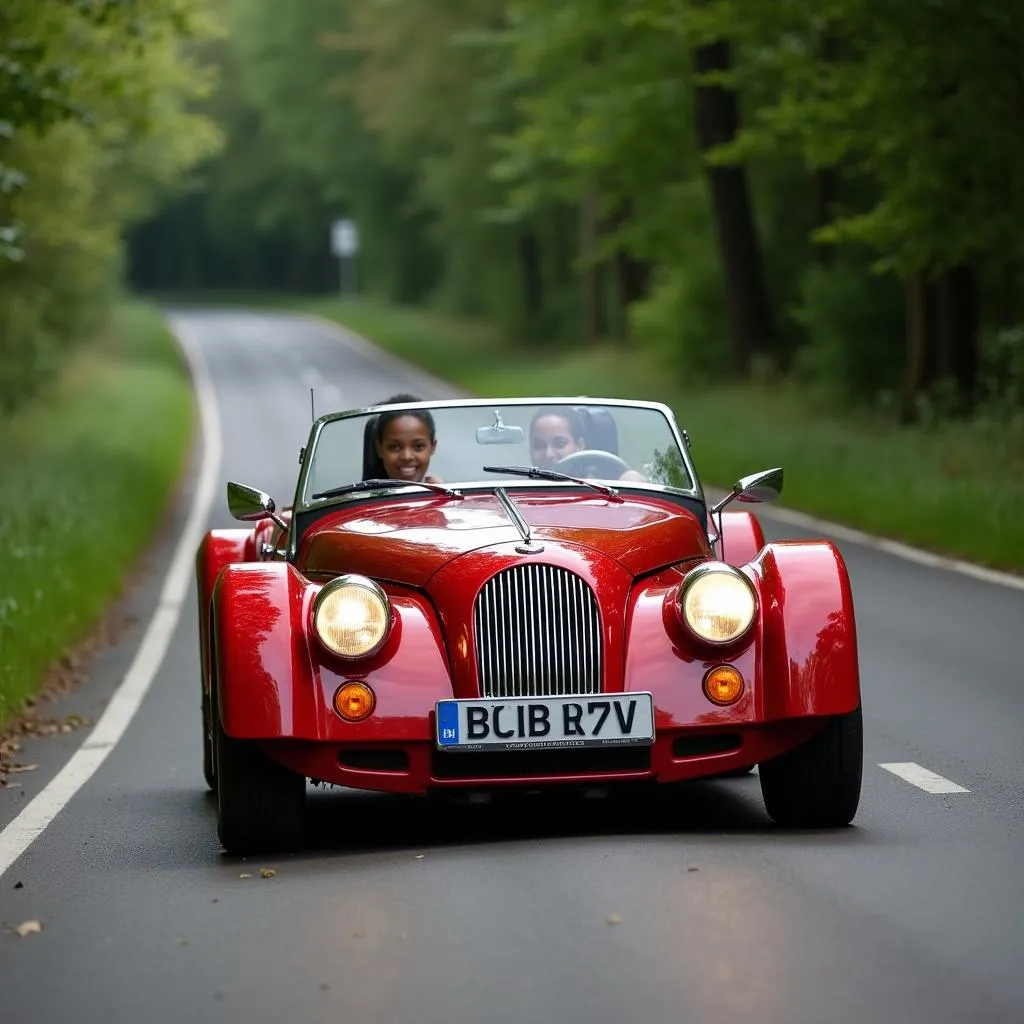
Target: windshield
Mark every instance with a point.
(494, 444)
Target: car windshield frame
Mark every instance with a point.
(300, 505)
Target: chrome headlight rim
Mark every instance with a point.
(693, 577)
(344, 582)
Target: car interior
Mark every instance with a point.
(600, 429)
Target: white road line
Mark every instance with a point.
(16, 838)
(922, 777)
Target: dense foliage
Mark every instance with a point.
(819, 188)
(94, 129)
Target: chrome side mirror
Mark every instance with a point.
(251, 505)
(764, 486)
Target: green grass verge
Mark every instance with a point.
(954, 488)
(86, 474)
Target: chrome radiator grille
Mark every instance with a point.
(538, 633)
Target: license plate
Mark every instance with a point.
(525, 723)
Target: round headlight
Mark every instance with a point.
(351, 616)
(718, 604)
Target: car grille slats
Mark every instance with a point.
(537, 633)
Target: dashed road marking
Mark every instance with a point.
(922, 777)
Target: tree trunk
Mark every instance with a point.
(530, 266)
(826, 187)
(632, 276)
(633, 279)
(593, 279)
(957, 332)
(920, 366)
(749, 309)
(942, 336)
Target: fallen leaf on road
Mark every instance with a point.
(19, 885)
(420, 856)
(245, 874)
(16, 769)
(693, 869)
(27, 928)
(614, 919)
(267, 873)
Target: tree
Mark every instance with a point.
(923, 100)
(96, 95)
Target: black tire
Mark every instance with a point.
(817, 785)
(209, 772)
(260, 804)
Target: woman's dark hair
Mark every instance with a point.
(564, 412)
(384, 418)
(374, 467)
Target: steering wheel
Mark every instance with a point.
(594, 463)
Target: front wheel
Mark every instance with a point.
(260, 805)
(817, 785)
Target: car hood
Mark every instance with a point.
(408, 541)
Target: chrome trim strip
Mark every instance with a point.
(528, 547)
(513, 513)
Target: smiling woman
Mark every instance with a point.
(403, 443)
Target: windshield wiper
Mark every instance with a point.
(374, 485)
(549, 474)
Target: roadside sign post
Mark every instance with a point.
(344, 246)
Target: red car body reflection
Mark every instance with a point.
(275, 682)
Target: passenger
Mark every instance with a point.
(558, 431)
(404, 442)
(555, 432)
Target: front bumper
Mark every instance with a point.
(419, 768)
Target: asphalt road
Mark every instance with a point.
(689, 908)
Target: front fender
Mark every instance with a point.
(809, 653)
(801, 660)
(742, 538)
(219, 548)
(261, 661)
(275, 681)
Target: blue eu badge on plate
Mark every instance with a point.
(447, 723)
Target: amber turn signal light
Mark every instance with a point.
(723, 685)
(354, 701)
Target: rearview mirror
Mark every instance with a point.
(498, 433)
(251, 505)
(764, 486)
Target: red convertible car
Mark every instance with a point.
(473, 594)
